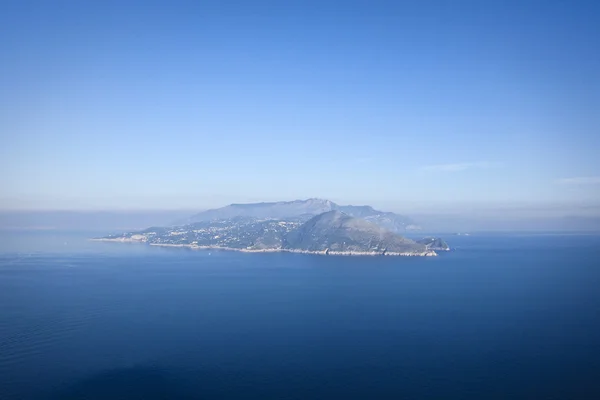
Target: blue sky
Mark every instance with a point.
(398, 104)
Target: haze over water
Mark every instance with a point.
(501, 316)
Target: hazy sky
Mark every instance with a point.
(194, 104)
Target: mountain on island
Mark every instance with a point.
(303, 210)
(335, 231)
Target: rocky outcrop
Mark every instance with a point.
(433, 243)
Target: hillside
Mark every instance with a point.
(336, 231)
(303, 210)
(331, 232)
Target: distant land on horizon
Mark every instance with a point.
(432, 221)
(311, 226)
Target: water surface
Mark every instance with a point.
(502, 316)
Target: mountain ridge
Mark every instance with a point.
(304, 209)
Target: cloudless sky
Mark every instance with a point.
(196, 104)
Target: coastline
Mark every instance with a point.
(427, 253)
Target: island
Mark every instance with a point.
(303, 226)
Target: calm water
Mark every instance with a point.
(503, 316)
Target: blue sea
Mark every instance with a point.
(502, 316)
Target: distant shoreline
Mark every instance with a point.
(427, 253)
